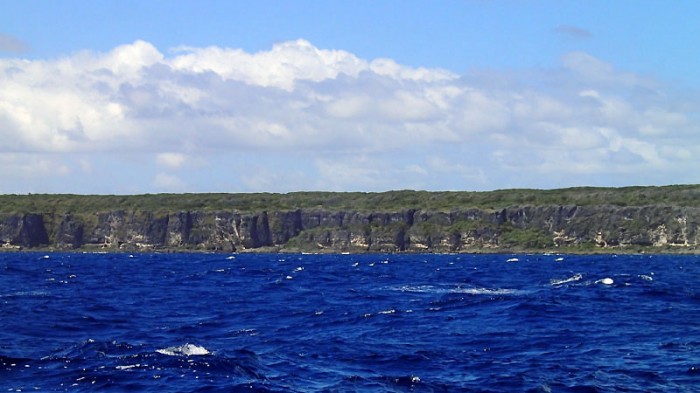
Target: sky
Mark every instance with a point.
(134, 97)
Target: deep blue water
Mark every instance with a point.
(349, 323)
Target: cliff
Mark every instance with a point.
(410, 228)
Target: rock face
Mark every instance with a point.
(27, 230)
(548, 227)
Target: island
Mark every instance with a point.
(655, 219)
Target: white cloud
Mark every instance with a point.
(389, 68)
(342, 117)
(171, 160)
(280, 67)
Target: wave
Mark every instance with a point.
(487, 291)
(184, 350)
(93, 365)
(476, 324)
(574, 278)
(458, 289)
(25, 293)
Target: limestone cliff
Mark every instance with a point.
(522, 227)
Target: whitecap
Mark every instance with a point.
(184, 350)
(485, 291)
(512, 260)
(559, 259)
(605, 281)
(128, 367)
(230, 258)
(417, 288)
(574, 278)
(645, 277)
(461, 290)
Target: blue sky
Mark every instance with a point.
(242, 96)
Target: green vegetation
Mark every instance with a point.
(677, 195)
(585, 219)
(512, 237)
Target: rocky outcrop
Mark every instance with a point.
(548, 227)
(27, 230)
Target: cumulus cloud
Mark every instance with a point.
(308, 118)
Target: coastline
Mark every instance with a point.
(651, 250)
(663, 220)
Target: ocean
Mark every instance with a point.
(83, 322)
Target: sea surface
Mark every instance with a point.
(349, 323)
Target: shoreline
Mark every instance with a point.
(673, 250)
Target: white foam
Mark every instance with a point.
(468, 291)
(559, 259)
(128, 367)
(416, 288)
(574, 278)
(606, 281)
(184, 350)
(512, 260)
(485, 291)
(230, 258)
